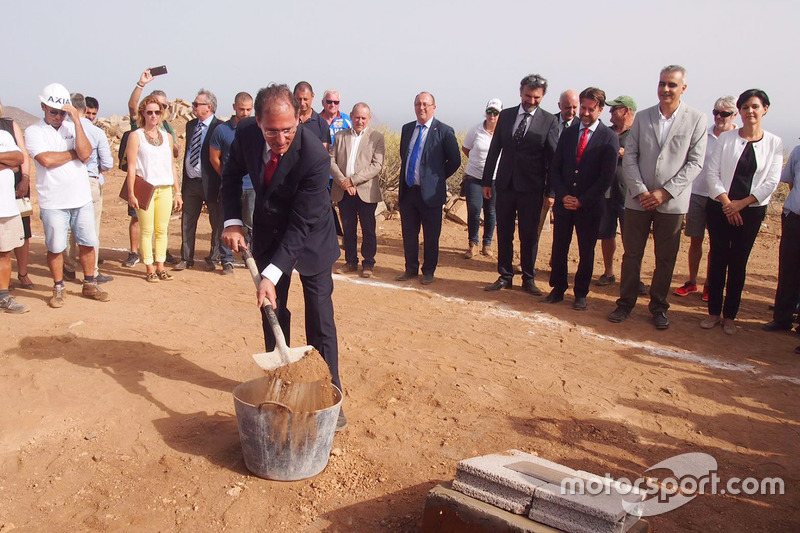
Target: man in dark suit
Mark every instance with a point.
(430, 154)
(527, 136)
(583, 169)
(292, 221)
(201, 184)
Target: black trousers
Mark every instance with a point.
(320, 325)
(414, 213)
(193, 200)
(524, 209)
(729, 250)
(586, 223)
(354, 210)
(788, 293)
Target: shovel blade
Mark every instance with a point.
(272, 360)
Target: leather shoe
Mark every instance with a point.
(553, 298)
(776, 326)
(660, 320)
(580, 303)
(618, 315)
(182, 265)
(427, 279)
(530, 287)
(405, 276)
(347, 268)
(497, 285)
(210, 266)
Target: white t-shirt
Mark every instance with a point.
(8, 204)
(477, 141)
(65, 186)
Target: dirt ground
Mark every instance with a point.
(118, 416)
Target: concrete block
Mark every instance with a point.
(458, 211)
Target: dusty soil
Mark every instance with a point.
(118, 416)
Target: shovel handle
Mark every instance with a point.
(272, 319)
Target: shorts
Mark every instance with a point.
(132, 212)
(615, 210)
(696, 217)
(11, 233)
(56, 222)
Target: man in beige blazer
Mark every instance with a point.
(356, 161)
(664, 153)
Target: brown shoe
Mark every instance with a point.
(59, 295)
(366, 272)
(347, 268)
(487, 251)
(469, 254)
(93, 291)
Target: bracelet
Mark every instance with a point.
(139, 85)
(178, 194)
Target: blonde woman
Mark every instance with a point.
(152, 149)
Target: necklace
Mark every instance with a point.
(155, 141)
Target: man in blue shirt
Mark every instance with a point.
(219, 150)
(309, 118)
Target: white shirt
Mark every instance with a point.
(350, 168)
(477, 141)
(666, 123)
(424, 133)
(65, 186)
(190, 170)
(8, 204)
(520, 116)
(700, 184)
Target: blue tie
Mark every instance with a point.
(412, 161)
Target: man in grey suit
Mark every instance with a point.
(664, 153)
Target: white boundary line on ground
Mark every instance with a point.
(540, 317)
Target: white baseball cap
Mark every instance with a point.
(495, 104)
(56, 96)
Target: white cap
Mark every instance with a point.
(495, 104)
(56, 96)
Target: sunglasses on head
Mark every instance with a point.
(332, 102)
(723, 114)
(492, 112)
(54, 112)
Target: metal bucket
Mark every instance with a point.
(280, 444)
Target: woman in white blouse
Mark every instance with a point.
(743, 172)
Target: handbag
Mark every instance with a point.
(141, 189)
(25, 207)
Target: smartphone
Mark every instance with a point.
(158, 71)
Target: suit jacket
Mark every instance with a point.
(648, 166)
(292, 220)
(211, 180)
(369, 162)
(590, 179)
(524, 166)
(441, 158)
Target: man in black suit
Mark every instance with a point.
(527, 136)
(430, 154)
(292, 221)
(583, 169)
(201, 183)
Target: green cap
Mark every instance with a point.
(623, 100)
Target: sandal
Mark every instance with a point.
(163, 275)
(24, 281)
(151, 277)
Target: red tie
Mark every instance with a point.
(582, 143)
(269, 170)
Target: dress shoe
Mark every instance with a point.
(171, 259)
(604, 280)
(530, 287)
(580, 303)
(427, 279)
(776, 326)
(405, 276)
(660, 320)
(210, 266)
(497, 285)
(182, 265)
(643, 289)
(553, 298)
(618, 315)
(347, 268)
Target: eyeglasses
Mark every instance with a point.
(54, 112)
(332, 102)
(271, 134)
(150, 113)
(423, 106)
(492, 112)
(198, 104)
(723, 114)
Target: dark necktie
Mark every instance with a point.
(520, 131)
(269, 170)
(195, 145)
(412, 161)
(582, 143)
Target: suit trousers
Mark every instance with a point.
(524, 207)
(193, 199)
(320, 325)
(414, 213)
(354, 210)
(788, 293)
(728, 251)
(666, 242)
(586, 224)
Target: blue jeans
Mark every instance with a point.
(473, 190)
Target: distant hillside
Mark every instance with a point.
(23, 118)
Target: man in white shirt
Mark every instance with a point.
(12, 234)
(61, 150)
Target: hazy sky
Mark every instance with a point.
(464, 52)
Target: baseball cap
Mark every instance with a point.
(623, 100)
(56, 96)
(495, 104)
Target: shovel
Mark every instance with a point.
(282, 355)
